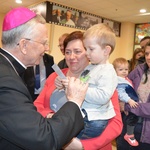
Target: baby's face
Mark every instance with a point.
(122, 70)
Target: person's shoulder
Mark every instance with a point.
(141, 60)
(62, 64)
(48, 55)
(61, 61)
(109, 67)
(48, 58)
(6, 69)
(139, 67)
(63, 21)
(137, 71)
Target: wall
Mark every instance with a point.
(56, 32)
(1, 22)
(124, 43)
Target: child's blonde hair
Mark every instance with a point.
(120, 61)
(103, 34)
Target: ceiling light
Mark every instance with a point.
(19, 1)
(142, 10)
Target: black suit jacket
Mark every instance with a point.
(62, 64)
(21, 126)
(29, 77)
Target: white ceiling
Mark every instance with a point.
(118, 10)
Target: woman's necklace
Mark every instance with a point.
(10, 63)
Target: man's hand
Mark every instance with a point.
(76, 91)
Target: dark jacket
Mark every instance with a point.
(29, 77)
(21, 126)
(62, 64)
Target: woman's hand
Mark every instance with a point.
(65, 82)
(75, 144)
(61, 83)
(58, 83)
(121, 106)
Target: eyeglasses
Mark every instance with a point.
(45, 44)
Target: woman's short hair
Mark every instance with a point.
(73, 36)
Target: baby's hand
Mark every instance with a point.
(132, 103)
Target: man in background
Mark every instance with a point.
(57, 17)
(62, 64)
(142, 44)
(68, 20)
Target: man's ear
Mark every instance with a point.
(107, 50)
(22, 45)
